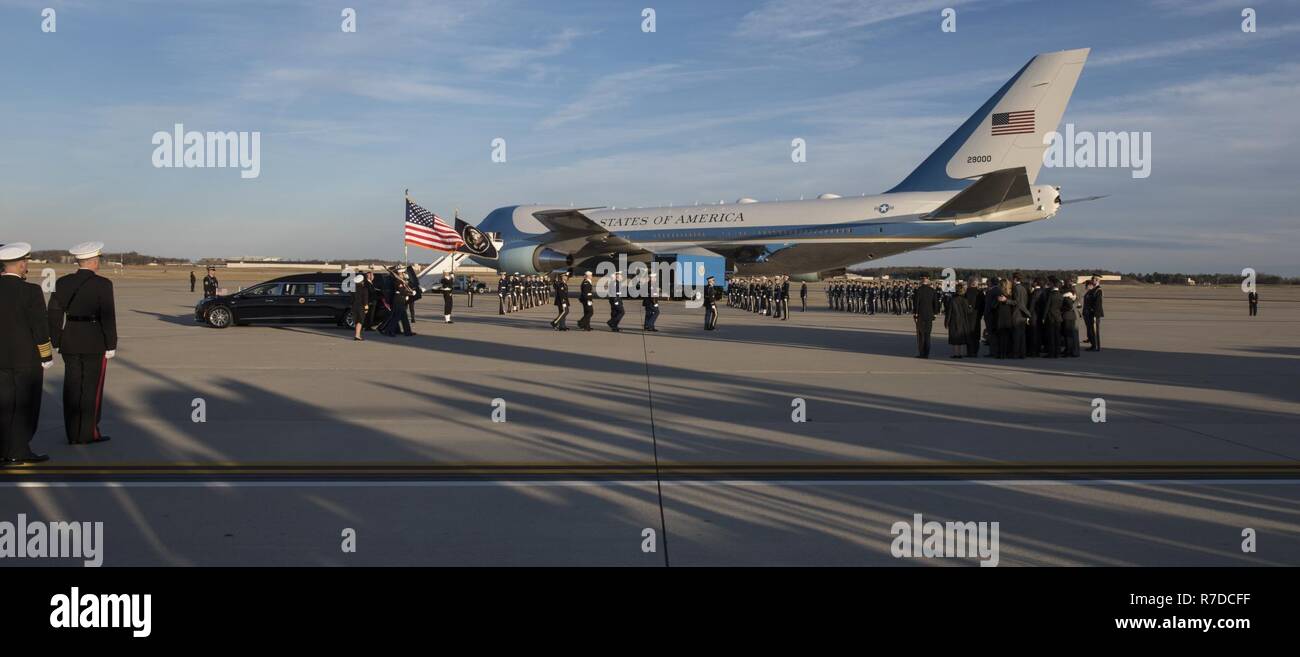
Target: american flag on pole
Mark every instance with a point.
(1013, 123)
(426, 229)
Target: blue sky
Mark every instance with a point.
(595, 112)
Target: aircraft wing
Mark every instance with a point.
(575, 232)
(569, 223)
(994, 191)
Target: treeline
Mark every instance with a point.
(129, 258)
(1211, 279)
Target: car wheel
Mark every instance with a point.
(219, 317)
(349, 320)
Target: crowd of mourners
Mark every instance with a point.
(1015, 318)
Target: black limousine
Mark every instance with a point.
(300, 298)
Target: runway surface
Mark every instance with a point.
(683, 432)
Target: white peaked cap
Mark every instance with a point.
(87, 250)
(15, 251)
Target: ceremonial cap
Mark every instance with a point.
(87, 250)
(15, 251)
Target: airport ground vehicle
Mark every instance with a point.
(300, 298)
(460, 285)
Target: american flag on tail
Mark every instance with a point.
(1013, 123)
(428, 230)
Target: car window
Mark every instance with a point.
(299, 289)
(262, 290)
(333, 288)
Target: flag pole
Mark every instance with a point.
(406, 248)
(456, 215)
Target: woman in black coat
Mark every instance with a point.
(957, 319)
(360, 305)
(1069, 324)
(1006, 317)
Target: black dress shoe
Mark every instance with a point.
(10, 463)
(34, 458)
(101, 439)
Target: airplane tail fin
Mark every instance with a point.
(1007, 131)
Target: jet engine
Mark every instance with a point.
(532, 259)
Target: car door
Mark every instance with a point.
(257, 303)
(301, 301)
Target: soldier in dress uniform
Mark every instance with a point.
(561, 286)
(785, 298)
(447, 285)
(503, 290)
(616, 301)
(586, 295)
(413, 281)
(25, 354)
(710, 305)
(210, 283)
(193, 280)
(83, 327)
(650, 304)
(1099, 311)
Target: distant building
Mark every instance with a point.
(1105, 278)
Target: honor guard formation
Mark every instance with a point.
(80, 322)
(764, 296)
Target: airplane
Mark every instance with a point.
(980, 179)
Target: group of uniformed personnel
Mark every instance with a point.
(517, 292)
(615, 295)
(871, 297)
(764, 295)
(80, 323)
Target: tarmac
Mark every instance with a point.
(686, 433)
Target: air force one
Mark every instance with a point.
(981, 179)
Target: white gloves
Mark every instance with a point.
(110, 353)
(47, 364)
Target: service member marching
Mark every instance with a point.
(561, 287)
(87, 340)
(25, 354)
(710, 305)
(616, 302)
(447, 285)
(586, 295)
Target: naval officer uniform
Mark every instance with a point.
(25, 354)
(83, 327)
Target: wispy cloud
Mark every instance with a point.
(496, 60)
(620, 89)
(810, 19)
(1226, 39)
